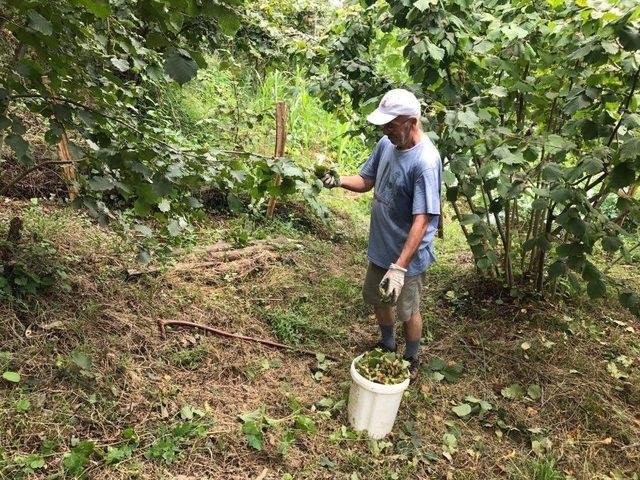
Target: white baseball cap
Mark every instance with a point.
(395, 102)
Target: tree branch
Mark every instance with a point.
(5, 188)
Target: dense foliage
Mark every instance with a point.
(533, 106)
(94, 73)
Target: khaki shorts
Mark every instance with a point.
(408, 302)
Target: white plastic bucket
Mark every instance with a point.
(373, 406)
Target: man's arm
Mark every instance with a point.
(416, 234)
(357, 183)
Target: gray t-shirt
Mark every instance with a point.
(407, 183)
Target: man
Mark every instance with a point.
(405, 170)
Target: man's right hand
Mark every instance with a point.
(330, 181)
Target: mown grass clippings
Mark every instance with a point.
(132, 377)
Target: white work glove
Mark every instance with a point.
(392, 282)
(330, 181)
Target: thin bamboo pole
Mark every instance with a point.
(281, 138)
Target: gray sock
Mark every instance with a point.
(411, 349)
(388, 336)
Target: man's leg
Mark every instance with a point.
(408, 311)
(385, 315)
(412, 335)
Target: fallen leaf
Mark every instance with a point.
(525, 345)
(606, 441)
(532, 411)
(509, 455)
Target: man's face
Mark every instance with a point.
(398, 130)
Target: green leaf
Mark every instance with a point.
(180, 66)
(174, 228)
(590, 272)
(120, 63)
(227, 19)
(452, 193)
(452, 372)
(18, 144)
(448, 177)
(435, 376)
(100, 184)
(622, 175)
(498, 91)
(534, 392)
(552, 172)
(629, 37)
(557, 268)
(117, 454)
(305, 423)
(23, 404)
(40, 24)
(423, 5)
(11, 376)
(611, 244)
(450, 440)
(469, 219)
(468, 118)
(144, 230)
(235, 204)
(36, 462)
(596, 289)
(462, 409)
(164, 205)
(143, 257)
(100, 8)
(513, 391)
(589, 130)
(435, 52)
(561, 195)
(555, 143)
(555, 3)
(256, 441)
(81, 360)
(512, 31)
(630, 149)
(285, 442)
(325, 462)
(629, 299)
(75, 461)
(437, 364)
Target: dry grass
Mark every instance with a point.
(138, 380)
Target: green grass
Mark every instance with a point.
(294, 326)
(190, 358)
(221, 109)
(535, 469)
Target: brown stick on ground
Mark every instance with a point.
(163, 324)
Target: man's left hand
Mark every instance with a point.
(392, 282)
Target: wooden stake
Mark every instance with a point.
(69, 170)
(281, 138)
